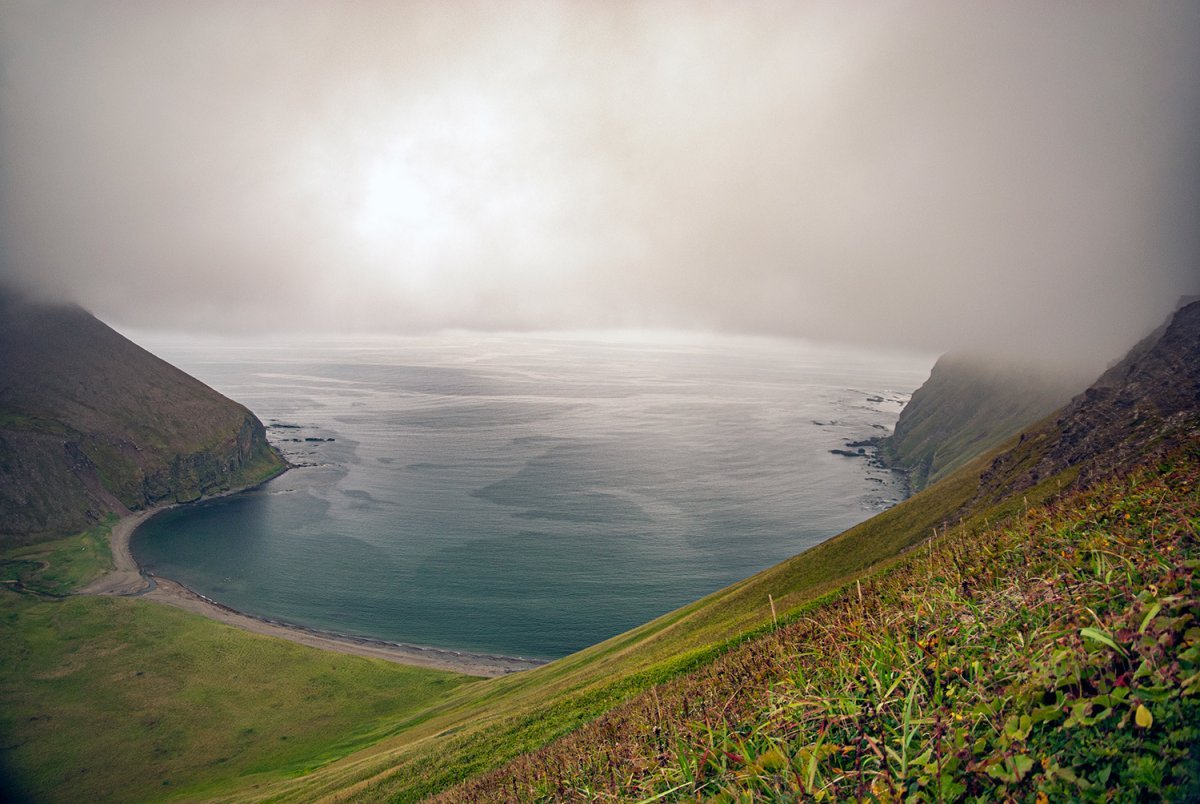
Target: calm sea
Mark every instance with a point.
(527, 494)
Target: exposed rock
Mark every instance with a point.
(1147, 403)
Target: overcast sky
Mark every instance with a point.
(932, 175)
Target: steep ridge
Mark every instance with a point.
(1051, 657)
(1146, 404)
(970, 404)
(91, 423)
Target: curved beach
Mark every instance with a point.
(128, 579)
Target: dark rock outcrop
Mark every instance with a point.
(91, 423)
(1144, 405)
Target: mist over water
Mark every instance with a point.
(1017, 177)
(528, 494)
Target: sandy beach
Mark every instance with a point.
(127, 579)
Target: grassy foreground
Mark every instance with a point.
(1055, 657)
(120, 699)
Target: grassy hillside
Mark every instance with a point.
(971, 404)
(120, 699)
(91, 423)
(1057, 655)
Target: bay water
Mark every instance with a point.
(527, 494)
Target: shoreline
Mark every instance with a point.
(173, 593)
(129, 579)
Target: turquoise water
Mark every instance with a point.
(527, 495)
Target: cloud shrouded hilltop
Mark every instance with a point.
(92, 424)
(937, 175)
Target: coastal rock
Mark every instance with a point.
(849, 453)
(92, 424)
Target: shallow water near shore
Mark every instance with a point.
(527, 495)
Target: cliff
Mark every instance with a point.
(91, 423)
(970, 404)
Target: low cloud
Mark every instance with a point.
(937, 175)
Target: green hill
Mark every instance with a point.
(91, 424)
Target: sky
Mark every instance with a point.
(1022, 176)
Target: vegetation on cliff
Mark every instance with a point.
(970, 404)
(91, 423)
(1145, 404)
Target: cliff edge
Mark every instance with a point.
(970, 404)
(91, 423)
(1145, 405)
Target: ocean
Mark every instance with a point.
(527, 494)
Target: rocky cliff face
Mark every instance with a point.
(969, 405)
(91, 423)
(1146, 404)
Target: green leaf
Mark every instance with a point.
(1043, 713)
(1012, 769)
(1066, 774)
(1150, 615)
(1018, 727)
(772, 760)
(1096, 635)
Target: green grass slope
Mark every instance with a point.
(1055, 657)
(120, 699)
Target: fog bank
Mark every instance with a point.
(1018, 176)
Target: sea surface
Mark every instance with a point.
(527, 495)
